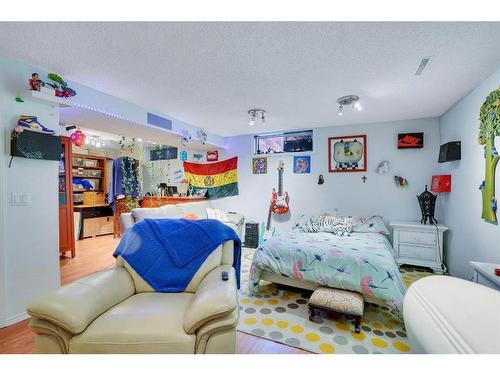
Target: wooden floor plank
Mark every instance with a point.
(95, 254)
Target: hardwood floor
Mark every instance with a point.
(94, 254)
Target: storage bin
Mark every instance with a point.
(77, 198)
(93, 172)
(93, 198)
(90, 163)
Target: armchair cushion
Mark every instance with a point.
(74, 306)
(213, 299)
(146, 323)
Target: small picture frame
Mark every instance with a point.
(301, 164)
(347, 153)
(259, 165)
(410, 140)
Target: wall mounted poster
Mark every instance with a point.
(213, 155)
(410, 140)
(347, 154)
(259, 165)
(301, 164)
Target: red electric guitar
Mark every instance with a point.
(279, 203)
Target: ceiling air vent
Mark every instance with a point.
(423, 64)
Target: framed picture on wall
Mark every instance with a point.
(410, 140)
(347, 154)
(259, 165)
(301, 164)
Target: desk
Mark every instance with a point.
(484, 273)
(163, 201)
(96, 219)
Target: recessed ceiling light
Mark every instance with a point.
(423, 64)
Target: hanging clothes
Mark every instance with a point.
(120, 176)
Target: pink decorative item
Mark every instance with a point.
(77, 138)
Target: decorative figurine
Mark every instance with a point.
(427, 202)
(61, 88)
(35, 82)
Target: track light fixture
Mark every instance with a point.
(256, 113)
(352, 100)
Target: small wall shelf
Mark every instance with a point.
(46, 98)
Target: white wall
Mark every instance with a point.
(471, 238)
(31, 255)
(345, 191)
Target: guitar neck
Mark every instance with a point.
(280, 183)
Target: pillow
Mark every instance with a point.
(213, 213)
(373, 224)
(325, 223)
(340, 226)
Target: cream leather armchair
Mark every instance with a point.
(116, 311)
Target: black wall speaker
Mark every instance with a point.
(450, 151)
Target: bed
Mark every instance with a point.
(362, 262)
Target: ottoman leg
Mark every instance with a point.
(357, 323)
(311, 313)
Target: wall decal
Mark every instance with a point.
(321, 180)
(201, 134)
(401, 181)
(364, 178)
(384, 167)
(489, 115)
(185, 137)
(301, 164)
(183, 155)
(259, 165)
(213, 155)
(410, 140)
(198, 156)
(347, 154)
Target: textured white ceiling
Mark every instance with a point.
(210, 74)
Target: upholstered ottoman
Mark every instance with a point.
(339, 302)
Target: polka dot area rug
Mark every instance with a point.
(280, 314)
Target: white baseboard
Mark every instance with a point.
(15, 319)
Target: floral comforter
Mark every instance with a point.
(361, 262)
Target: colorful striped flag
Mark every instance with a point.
(221, 178)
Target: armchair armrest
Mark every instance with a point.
(126, 221)
(213, 299)
(74, 306)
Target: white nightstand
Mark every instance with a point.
(418, 244)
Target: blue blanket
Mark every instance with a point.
(167, 253)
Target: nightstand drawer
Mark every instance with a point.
(417, 252)
(418, 238)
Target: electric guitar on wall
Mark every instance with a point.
(279, 203)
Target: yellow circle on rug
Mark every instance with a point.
(312, 337)
(327, 348)
(258, 303)
(342, 326)
(358, 336)
(267, 321)
(379, 343)
(272, 302)
(250, 321)
(244, 300)
(285, 298)
(282, 324)
(389, 325)
(401, 346)
(297, 329)
(377, 325)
